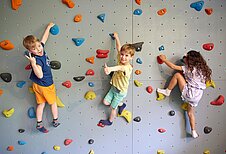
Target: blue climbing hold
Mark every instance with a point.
(197, 5)
(137, 12)
(22, 142)
(161, 48)
(54, 30)
(101, 17)
(139, 61)
(21, 84)
(31, 112)
(91, 84)
(44, 152)
(78, 41)
(112, 36)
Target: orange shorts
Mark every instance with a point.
(45, 94)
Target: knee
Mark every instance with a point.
(177, 75)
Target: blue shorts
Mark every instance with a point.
(114, 97)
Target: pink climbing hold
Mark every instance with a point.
(67, 141)
(67, 84)
(90, 72)
(219, 101)
(161, 130)
(159, 60)
(149, 89)
(208, 46)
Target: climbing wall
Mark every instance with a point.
(178, 28)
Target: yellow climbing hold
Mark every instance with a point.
(31, 90)
(137, 83)
(90, 95)
(8, 113)
(91, 152)
(127, 115)
(206, 152)
(160, 96)
(210, 83)
(59, 102)
(184, 106)
(160, 152)
(56, 147)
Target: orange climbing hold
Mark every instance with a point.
(161, 12)
(90, 59)
(209, 11)
(138, 2)
(137, 72)
(78, 18)
(6, 45)
(69, 3)
(1, 92)
(10, 148)
(16, 4)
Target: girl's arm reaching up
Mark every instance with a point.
(170, 64)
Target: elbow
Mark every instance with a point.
(40, 76)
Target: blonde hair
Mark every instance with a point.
(128, 48)
(30, 41)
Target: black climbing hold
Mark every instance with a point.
(7, 77)
(55, 65)
(21, 130)
(91, 141)
(138, 46)
(207, 130)
(137, 119)
(171, 113)
(79, 78)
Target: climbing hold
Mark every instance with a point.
(210, 83)
(21, 130)
(159, 60)
(67, 84)
(90, 95)
(67, 141)
(219, 101)
(184, 106)
(208, 46)
(21, 84)
(1, 92)
(31, 112)
(26, 53)
(22, 142)
(207, 130)
(10, 148)
(197, 5)
(139, 61)
(102, 53)
(160, 96)
(79, 78)
(54, 30)
(137, 72)
(161, 130)
(161, 12)
(91, 141)
(6, 45)
(126, 114)
(31, 90)
(8, 113)
(78, 18)
(91, 152)
(55, 65)
(137, 83)
(69, 3)
(209, 11)
(91, 84)
(149, 89)
(138, 2)
(161, 48)
(101, 17)
(138, 46)
(100, 124)
(44, 152)
(137, 119)
(160, 152)
(137, 12)
(28, 67)
(78, 41)
(16, 4)
(207, 152)
(171, 113)
(112, 36)
(59, 102)
(90, 72)
(7, 77)
(56, 147)
(90, 59)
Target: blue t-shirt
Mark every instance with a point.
(44, 62)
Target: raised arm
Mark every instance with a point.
(118, 44)
(169, 63)
(46, 33)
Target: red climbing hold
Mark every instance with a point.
(138, 2)
(28, 67)
(100, 124)
(208, 46)
(90, 72)
(102, 53)
(67, 141)
(161, 130)
(209, 11)
(159, 60)
(149, 89)
(67, 84)
(219, 101)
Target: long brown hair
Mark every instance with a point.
(195, 60)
